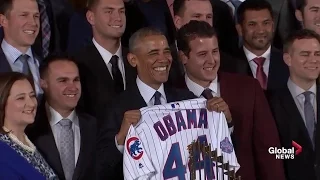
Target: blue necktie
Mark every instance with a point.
(25, 66)
(157, 96)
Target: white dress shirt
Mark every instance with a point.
(54, 119)
(299, 98)
(147, 93)
(12, 54)
(250, 56)
(197, 90)
(106, 56)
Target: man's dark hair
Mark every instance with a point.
(297, 35)
(300, 5)
(91, 4)
(192, 30)
(255, 5)
(179, 6)
(44, 66)
(5, 6)
(140, 34)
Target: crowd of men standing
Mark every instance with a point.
(93, 66)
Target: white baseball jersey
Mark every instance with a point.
(156, 148)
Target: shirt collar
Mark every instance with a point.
(197, 89)
(55, 117)
(296, 90)
(250, 56)
(13, 52)
(106, 55)
(147, 92)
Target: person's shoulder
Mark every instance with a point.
(180, 94)
(236, 77)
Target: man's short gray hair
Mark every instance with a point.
(141, 34)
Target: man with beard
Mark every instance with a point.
(307, 13)
(256, 27)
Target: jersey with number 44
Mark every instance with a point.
(157, 147)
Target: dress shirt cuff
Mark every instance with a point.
(119, 147)
(231, 130)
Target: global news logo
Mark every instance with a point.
(283, 153)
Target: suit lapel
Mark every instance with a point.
(84, 148)
(4, 64)
(45, 142)
(243, 57)
(295, 117)
(317, 138)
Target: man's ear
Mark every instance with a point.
(287, 59)
(177, 22)
(239, 29)
(43, 84)
(299, 15)
(90, 17)
(3, 21)
(182, 57)
(132, 59)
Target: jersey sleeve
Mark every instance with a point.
(136, 163)
(225, 146)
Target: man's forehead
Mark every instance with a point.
(195, 6)
(306, 45)
(315, 3)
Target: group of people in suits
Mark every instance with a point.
(66, 117)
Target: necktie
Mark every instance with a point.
(157, 96)
(25, 66)
(116, 74)
(67, 154)
(236, 4)
(261, 76)
(45, 28)
(207, 93)
(309, 115)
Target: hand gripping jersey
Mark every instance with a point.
(157, 147)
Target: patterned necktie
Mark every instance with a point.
(207, 93)
(309, 116)
(45, 28)
(116, 74)
(157, 96)
(261, 76)
(67, 151)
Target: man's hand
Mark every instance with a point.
(217, 104)
(130, 118)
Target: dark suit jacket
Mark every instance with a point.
(109, 158)
(254, 127)
(278, 70)
(291, 127)
(96, 81)
(41, 135)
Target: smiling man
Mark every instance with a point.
(103, 64)
(308, 14)
(256, 27)
(20, 22)
(296, 107)
(65, 136)
(151, 56)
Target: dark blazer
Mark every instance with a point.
(278, 70)
(108, 156)
(254, 127)
(41, 135)
(291, 127)
(96, 81)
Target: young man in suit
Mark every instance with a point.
(238, 96)
(256, 27)
(65, 136)
(103, 64)
(20, 21)
(296, 106)
(306, 14)
(150, 55)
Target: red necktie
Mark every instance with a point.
(261, 76)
